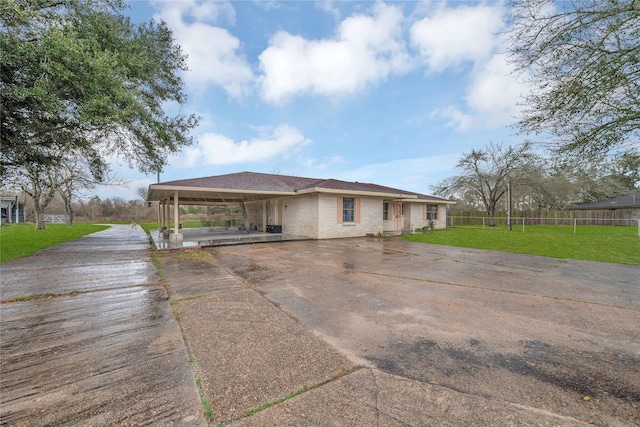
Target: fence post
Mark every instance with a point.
(523, 224)
(575, 222)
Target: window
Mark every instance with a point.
(432, 212)
(348, 209)
(385, 211)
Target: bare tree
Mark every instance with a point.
(486, 173)
(38, 183)
(142, 193)
(583, 57)
(72, 178)
(76, 176)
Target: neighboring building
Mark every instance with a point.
(12, 210)
(314, 208)
(624, 208)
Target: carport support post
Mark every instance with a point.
(161, 226)
(165, 218)
(176, 237)
(265, 212)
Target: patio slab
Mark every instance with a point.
(218, 236)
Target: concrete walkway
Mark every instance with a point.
(100, 345)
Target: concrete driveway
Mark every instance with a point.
(545, 336)
(98, 345)
(342, 332)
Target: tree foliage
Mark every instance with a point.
(485, 174)
(78, 78)
(584, 60)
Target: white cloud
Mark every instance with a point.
(365, 50)
(495, 91)
(212, 51)
(203, 11)
(451, 37)
(216, 149)
(492, 97)
(329, 7)
(456, 117)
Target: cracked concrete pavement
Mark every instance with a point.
(343, 332)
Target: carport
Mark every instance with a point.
(205, 192)
(310, 207)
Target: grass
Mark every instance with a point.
(148, 226)
(592, 243)
(19, 240)
(267, 405)
(206, 403)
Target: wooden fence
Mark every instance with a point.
(625, 217)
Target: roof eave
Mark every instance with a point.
(355, 193)
(161, 188)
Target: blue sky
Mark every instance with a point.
(386, 92)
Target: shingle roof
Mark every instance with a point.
(252, 181)
(247, 181)
(629, 201)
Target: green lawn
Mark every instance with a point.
(593, 243)
(18, 240)
(608, 244)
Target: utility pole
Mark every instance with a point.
(509, 203)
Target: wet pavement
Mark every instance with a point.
(217, 236)
(556, 338)
(100, 346)
(371, 331)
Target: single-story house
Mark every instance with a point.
(308, 207)
(624, 208)
(12, 210)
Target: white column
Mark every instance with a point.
(175, 239)
(176, 212)
(265, 213)
(167, 216)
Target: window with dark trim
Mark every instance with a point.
(348, 209)
(432, 212)
(385, 211)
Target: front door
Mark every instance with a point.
(399, 217)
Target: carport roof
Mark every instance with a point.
(251, 186)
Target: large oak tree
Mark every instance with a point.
(80, 79)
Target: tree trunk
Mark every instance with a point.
(68, 210)
(40, 225)
(491, 214)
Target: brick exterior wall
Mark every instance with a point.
(329, 226)
(316, 216)
(300, 218)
